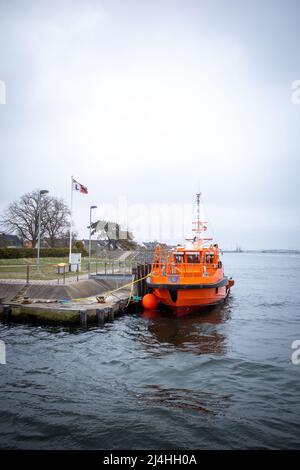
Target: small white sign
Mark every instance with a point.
(75, 262)
(2, 352)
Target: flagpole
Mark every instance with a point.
(71, 223)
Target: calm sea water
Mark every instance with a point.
(222, 379)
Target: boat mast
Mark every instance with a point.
(199, 226)
(198, 229)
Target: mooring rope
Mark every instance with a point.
(111, 292)
(129, 284)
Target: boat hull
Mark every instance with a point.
(193, 298)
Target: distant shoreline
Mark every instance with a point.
(277, 252)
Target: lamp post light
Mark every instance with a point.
(41, 193)
(90, 238)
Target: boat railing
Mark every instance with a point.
(163, 264)
(183, 269)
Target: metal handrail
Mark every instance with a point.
(167, 267)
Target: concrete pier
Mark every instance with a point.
(71, 304)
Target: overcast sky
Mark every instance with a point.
(147, 102)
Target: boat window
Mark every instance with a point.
(209, 258)
(193, 258)
(178, 258)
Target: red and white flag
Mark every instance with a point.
(79, 187)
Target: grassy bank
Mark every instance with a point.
(17, 268)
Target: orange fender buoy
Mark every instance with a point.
(149, 301)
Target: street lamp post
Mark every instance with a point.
(41, 193)
(90, 238)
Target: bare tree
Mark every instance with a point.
(57, 216)
(21, 217)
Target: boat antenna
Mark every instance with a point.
(198, 195)
(200, 224)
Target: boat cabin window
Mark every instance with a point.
(178, 258)
(193, 258)
(209, 258)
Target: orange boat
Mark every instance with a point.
(189, 277)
